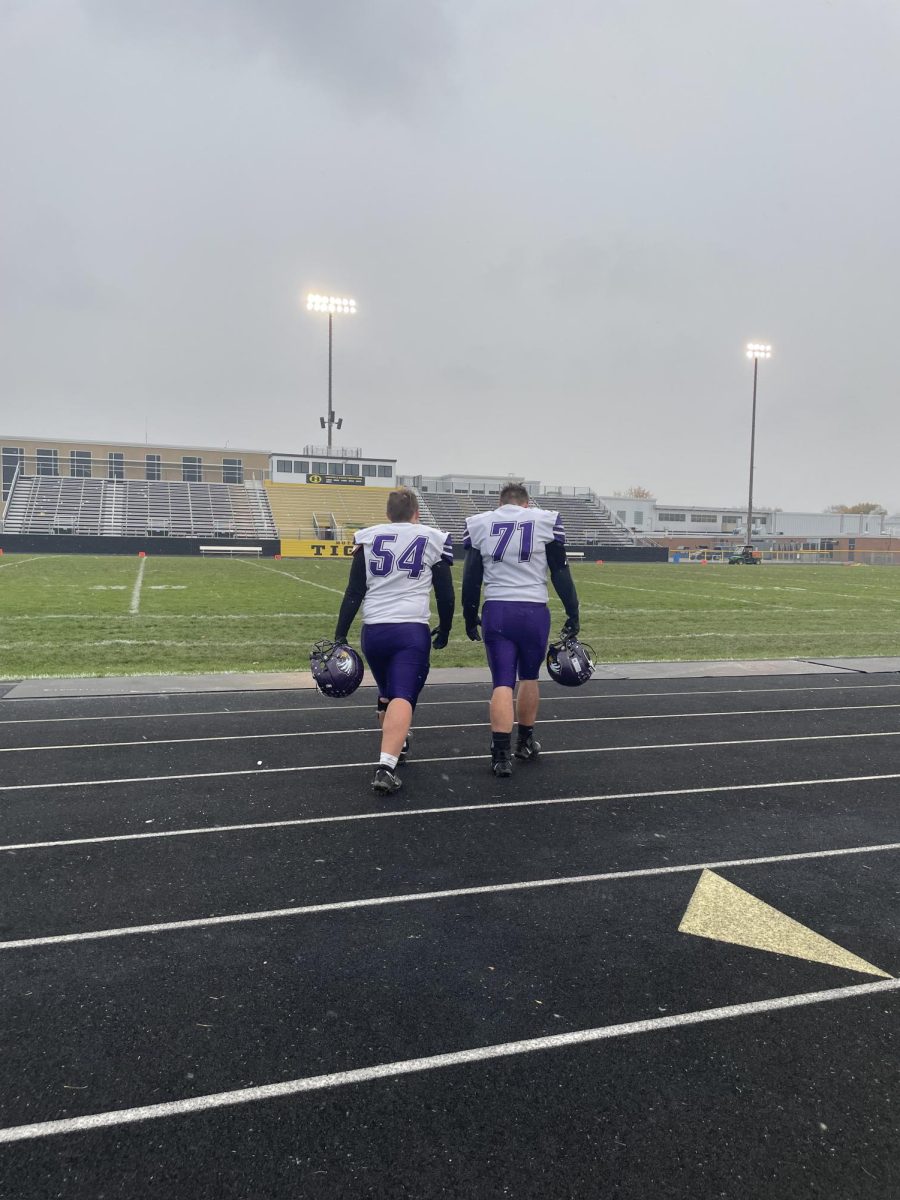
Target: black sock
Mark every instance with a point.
(500, 743)
(525, 732)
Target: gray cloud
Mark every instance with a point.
(561, 226)
(392, 54)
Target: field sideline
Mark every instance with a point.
(67, 615)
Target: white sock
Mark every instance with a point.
(388, 760)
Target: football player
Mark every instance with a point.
(395, 566)
(511, 551)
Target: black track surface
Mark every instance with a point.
(801, 1102)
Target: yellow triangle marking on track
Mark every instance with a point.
(726, 913)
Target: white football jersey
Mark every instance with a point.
(513, 544)
(399, 558)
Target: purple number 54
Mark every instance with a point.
(411, 560)
(504, 530)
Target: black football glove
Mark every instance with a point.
(440, 638)
(340, 641)
(571, 627)
(472, 627)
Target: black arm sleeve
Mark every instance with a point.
(561, 578)
(442, 582)
(353, 596)
(473, 575)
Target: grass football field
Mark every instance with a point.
(101, 615)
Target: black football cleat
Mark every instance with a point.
(404, 753)
(501, 764)
(528, 749)
(385, 782)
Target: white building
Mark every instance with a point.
(341, 464)
(651, 518)
(467, 485)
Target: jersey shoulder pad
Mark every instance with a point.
(443, 542)
(365, 537)
(550, 525)
(476, 527)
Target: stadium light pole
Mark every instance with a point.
(330, 305)
(756, 351)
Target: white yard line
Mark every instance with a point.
(306, 733)
(626, 587)
(134, 607)
(23, 561)
(397, 814)
(608, 610)
(73, 783)
(106, 617)
(19, 644)
(763, 635)
(455, 1058)
(296, 578)
(491, 889)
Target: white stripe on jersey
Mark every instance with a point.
(399, 558)
(513, 545)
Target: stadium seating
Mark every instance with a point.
(138, 508)
(128, 507)
(449, 512)
(310, 511)
(587, 521)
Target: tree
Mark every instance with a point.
(863, 506)
(635, 493)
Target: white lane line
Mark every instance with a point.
(135, 606)
(433, 1062)
(305, 733)
(393, 814)
(71, 783)
(209, 712)
(296, 578)
(305, 910)
(323, 705)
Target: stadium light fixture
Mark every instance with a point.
(756, 351)
(340, 305)
(330, 304)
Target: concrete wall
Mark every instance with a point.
(24, 543)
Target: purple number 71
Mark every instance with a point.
(504, 530)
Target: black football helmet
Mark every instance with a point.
(336, 668)
(570, 662)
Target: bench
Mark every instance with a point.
(231, 551)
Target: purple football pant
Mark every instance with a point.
(515, 637)
(399, 657)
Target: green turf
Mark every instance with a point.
(67, 615)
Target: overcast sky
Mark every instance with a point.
(561, 223)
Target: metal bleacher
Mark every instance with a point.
(587, 520)
(136, 508)
(311, 511)
(449, 512)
